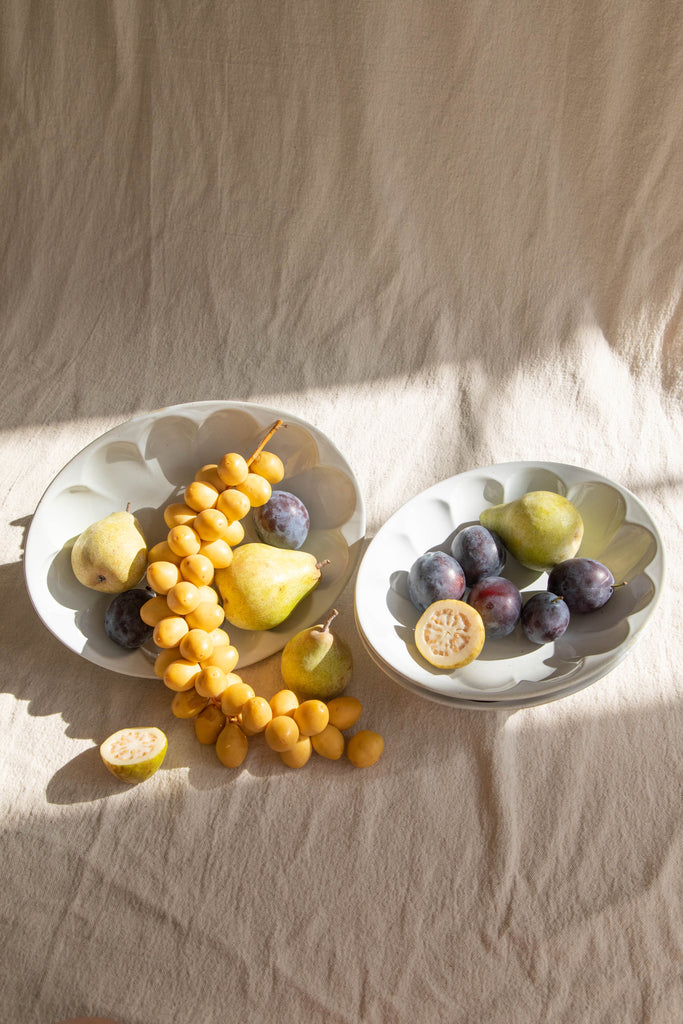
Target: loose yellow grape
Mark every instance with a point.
(232, 745)
(234, 535)
(233, 504)
(170, 631)
(187, 704)
(364, 748)
(299, 754)
(154, 610)
(197, 569)
(211, 524)
(162, 553)
(183, 540)
(200, 496)
(183, 598)
(161, 576)
(218, 552)
(196, 645)
(281, 733)
(312, 716)
(329, 743)
(164, 659)
(268, 465)
(211, 681)
(236, 696)
(219, 637)
(255, 715)
(344, 711)
(208, 474)
(256, 488)
(232, 469)
(224, 656)
(178, 514)
(208, 615)
(208, 725)
(181, 674)
(284, 702)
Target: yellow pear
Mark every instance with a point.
(539, 529)
(263, 584)
(111, 554)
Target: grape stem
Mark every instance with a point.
(264, 442)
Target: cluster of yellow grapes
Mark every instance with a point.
(291, 729)
(196, 657)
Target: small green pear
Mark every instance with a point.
(111, 554)
(316, 663)
(540, 529)
(263, 585)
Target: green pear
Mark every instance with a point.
(539, 529)
(316, 663)
(111, 554)
(263, 585)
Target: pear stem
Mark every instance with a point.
(328, 621)
(321, 565)
(264, 442)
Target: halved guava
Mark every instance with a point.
(132, 755)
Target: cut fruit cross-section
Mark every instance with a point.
(132, 755)
(449, 634)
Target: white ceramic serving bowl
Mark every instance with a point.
(148, 461)
(618, 532)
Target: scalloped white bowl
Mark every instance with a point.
(148, 461)
(618, 531)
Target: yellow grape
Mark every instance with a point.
(233, 504)
(208, 594)
(162, 553)
(329, 743)
(236, 696)
(208, 615)
(281, 733)
(256, 488)
(234, 535)
(218, 552)
(183, 540)
(299, 754)
(183, 598)
(364, 748)
(181, 674)
(170, 631)
(164, 659)
(284, 702)
(161, 576)
(208, 474)
(154, 610)
(208, 725)
(211, 681)
(178, 514)
(224, 656)
(255, 715)
(344, 711)
(211, 524)
(232, 469)
(187, 704)
(197, 569)
(312, 716)
(232, 745)
(200, 496)
(196, 645)
(268, 465)
(219, 637)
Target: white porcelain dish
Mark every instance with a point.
(148, 461)
(618, 531)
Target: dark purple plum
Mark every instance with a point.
(545, 617)
(122, 622)
(283, 522)
(480, 552)
(499, 603)
(435, 576)
(584, 584)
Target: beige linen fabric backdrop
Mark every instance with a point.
(448, 234)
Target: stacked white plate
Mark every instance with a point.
(512, 672)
